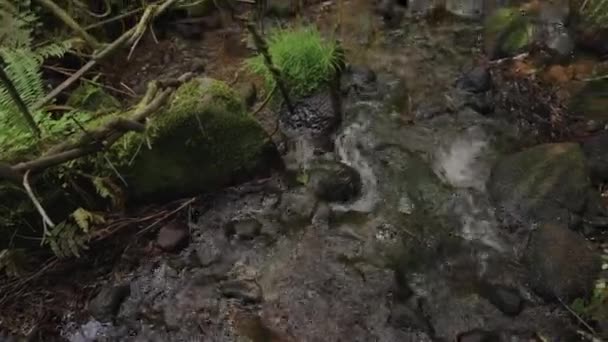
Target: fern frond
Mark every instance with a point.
(16, 24)
(67, 239)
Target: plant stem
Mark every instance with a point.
(276, 74)
(10, 87)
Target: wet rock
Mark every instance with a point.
(478, 335)
(245, 229)
(390, 11)
(297, 206)
(359, 79)
(596, 151)
(404, 317)
(172, 237)
(504, 298)
(544, 183)
(245, 290)
(105, 306)
(471, 9)
(313, 116)
(561, 263)
(210, 251)
(334, 181)
(477, 80)
(322, 215)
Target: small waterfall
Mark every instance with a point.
(348, 147)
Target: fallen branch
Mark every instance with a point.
(45, 218)
(69, 21)
(97, 57)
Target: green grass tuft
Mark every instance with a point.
(595, 13)
(305, 59)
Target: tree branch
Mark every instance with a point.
(70, 22)
(97, 57)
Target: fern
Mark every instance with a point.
(16, 23)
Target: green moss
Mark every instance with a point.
(200, 142)
(91, 98)
(305, 59)
(510, 30)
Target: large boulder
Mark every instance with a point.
(202, 141)
(544, 183)
(561, 263)
(596, 151)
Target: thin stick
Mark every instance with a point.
(46, 219)
(579, 318)
(58, 70)
(266, 100)
(113, 19)
(185, 204)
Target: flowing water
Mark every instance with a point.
(418, 255)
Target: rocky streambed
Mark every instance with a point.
(423, 219)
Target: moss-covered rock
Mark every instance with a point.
(200, 142)
(544, 183)
(92, 98)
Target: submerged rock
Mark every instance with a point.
(477, 80)
(297, 207)
(334, 181)
(543, 183)
(202, 141)
(561, 263)
(172, 237)
(105, 306)
(504, 298)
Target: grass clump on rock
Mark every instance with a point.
(305, 59)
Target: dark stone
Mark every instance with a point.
(504, 298)
(297, 206)
(248, 291)
(478, 335)
(312, 116)
(245, 229)
(172, 237)
(105, 306)
(405, 317)
(477, 80)
(544, 183)
(210, 251)
(333, 181)
(483, 103)
(561, 263)
(596, 151)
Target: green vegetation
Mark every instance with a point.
(305, 59)
(595, 13)
(596, 307)
(512, 30)
(202, 140)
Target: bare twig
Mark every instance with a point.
(46, 219)
(577, 316)
(166, 216)
(266, 100)
(97, 84)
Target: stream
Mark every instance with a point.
(396, 236)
